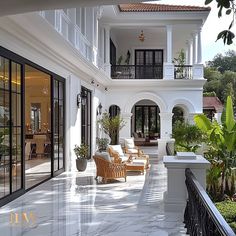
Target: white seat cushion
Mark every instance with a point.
(132, 151)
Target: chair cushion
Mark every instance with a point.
(118, 149)
(129, 143)
(132, 151)
(104, 155)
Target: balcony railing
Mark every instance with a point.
(201, 216)
(136, 72)
(183, 72)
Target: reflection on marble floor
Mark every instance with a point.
(74, 204)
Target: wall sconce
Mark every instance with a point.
(141, 37)
(99, 109)
(81, 98)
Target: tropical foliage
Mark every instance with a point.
(111, 126)
(187, 137)
(222, 150)
(230, 9)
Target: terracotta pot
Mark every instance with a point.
(81, 164)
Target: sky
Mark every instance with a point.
(211, 28)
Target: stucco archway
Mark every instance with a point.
(141, 96)
(186, 105)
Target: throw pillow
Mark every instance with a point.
(118, 149)
(129, 143)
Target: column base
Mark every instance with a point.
(173, 204)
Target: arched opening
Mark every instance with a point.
(178, 115)
(114, 110)
(145, 122)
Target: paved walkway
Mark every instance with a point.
(74, 204)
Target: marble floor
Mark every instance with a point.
(75, 204)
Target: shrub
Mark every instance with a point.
(228, 210)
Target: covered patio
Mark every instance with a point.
(75, 204)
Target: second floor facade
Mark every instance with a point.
(136, 41)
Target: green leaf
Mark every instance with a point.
(208, 2)
(202, 122)
(228, 11)
(229, 121)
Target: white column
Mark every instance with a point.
(166, 124)
(194, 60)
(107, 51)
(169, 43)
(102, 45)
(126, 131)
(168, 65)
(199, 46)
(198, 72)
(190, 118)
(190, 44)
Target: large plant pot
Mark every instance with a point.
(81, 164)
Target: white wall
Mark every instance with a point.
(73, 86)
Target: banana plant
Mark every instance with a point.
(222, 137)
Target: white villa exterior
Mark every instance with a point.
(74, 44)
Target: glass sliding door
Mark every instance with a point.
(58, 121)
(32, 125)
(37, 126)
(10, 127)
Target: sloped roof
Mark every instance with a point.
(212, 103)
(146, 7)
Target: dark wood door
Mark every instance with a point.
(149, 64)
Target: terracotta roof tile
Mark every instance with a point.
(212, 103)
(146, 7)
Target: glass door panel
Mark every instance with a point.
(59, 124)
(38, 126)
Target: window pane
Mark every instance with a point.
(4, 73)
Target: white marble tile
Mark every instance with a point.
(75, 204)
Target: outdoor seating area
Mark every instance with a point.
(116, 162)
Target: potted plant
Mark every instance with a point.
(111, 126)
(102, 144)
(81, 153)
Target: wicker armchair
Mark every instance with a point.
(109, 170)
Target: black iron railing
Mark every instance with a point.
(136, 72)
(183, 72)
(201, 217)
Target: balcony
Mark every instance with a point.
(183, 72)
(136, 72)
(149, 72)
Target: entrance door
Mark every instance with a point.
(148, 64)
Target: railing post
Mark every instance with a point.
(176, 195)
(169, 71)
(198, 71)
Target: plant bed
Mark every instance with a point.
(228, 210)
